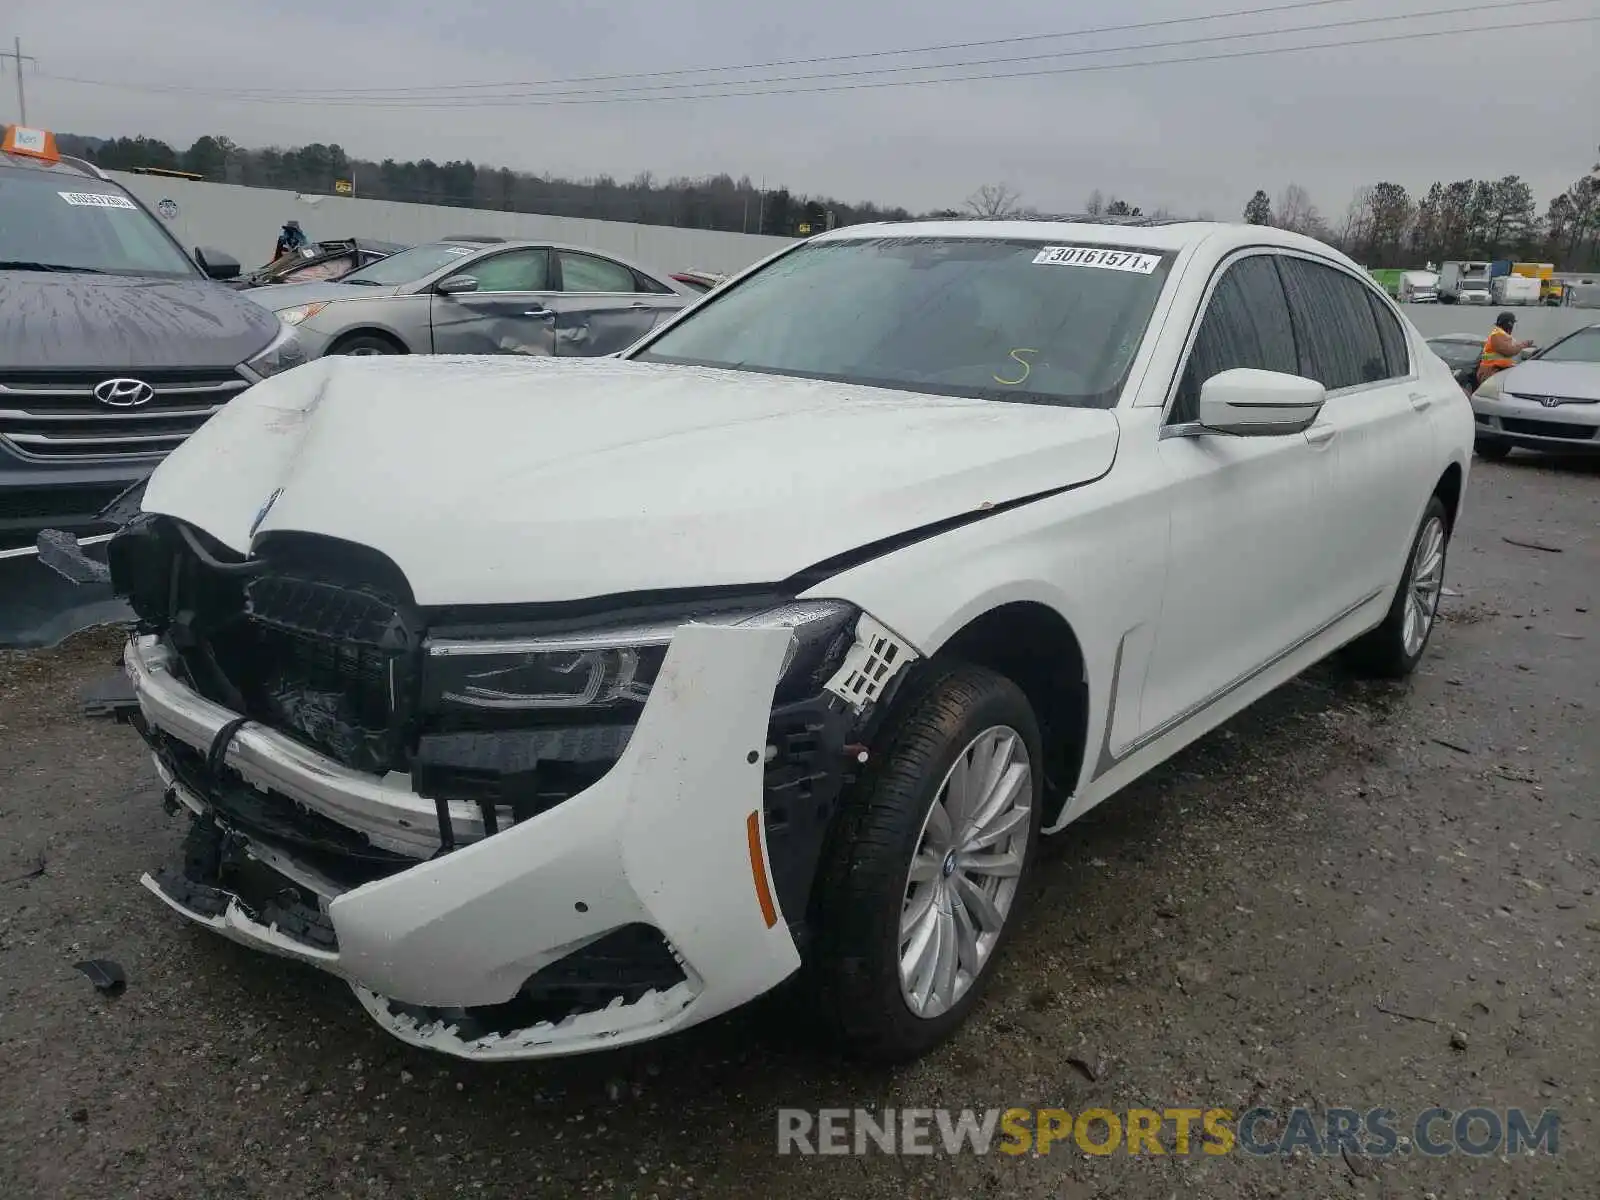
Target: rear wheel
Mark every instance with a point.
(1393, 649)
(1493, 449)
(924, 876)
(366, 343)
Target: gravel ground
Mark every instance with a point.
(1351, 896)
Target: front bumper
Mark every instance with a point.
(671, 838)
(43, 495)
(1568, 428)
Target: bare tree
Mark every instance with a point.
(1357, 222)
(1296, 212)
(993, 201)
(1095, 204)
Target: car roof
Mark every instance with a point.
(1463, 338)
(65, 165)
(1145, 233)
(540, 244)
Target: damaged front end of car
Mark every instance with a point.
(516, 832)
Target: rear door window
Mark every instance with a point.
(513, 271)
(1246, 324)
(1335, 326)
(586, 273)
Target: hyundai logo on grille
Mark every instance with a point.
(124, 393)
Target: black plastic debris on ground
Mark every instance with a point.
(107, 976)
(34, 872)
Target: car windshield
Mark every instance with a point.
(997, 318)
(1457, 353)
(52, 221)
(1580, 347)
(409, 265)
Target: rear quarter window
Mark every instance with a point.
(1396, 354)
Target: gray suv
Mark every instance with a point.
(114, 345)
(479, 296)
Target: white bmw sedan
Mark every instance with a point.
(560, 705)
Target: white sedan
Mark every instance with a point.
(560, 705)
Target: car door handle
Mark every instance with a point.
(1321, 435)
(1421, 401)
(539, 312)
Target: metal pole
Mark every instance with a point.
(18, 57)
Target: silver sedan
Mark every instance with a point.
(1549, 402)
(479, 296)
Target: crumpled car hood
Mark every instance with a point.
(502, 480)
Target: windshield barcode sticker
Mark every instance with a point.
(96, 200)
(458, 251)
(1106, 260)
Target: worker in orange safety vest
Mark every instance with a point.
(1500, 349)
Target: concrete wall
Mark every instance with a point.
(245, 222)
(1544, 325)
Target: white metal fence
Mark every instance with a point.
(245, 222)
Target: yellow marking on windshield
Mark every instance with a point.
(1015, 355)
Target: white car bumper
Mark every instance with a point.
(1569, 426)
(670, 837)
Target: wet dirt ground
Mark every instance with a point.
(1352, 896)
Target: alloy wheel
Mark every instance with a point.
(963, 879)
(1424, 587)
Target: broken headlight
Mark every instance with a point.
(614, 668)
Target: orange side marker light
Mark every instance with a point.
(758, 870)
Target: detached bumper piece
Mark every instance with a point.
(629, 906)
(219, 873)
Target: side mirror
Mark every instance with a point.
(456, 285)
(217, 264)
(1255, 403)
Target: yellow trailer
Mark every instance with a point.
(1533, 270)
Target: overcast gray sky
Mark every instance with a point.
(1192, 137)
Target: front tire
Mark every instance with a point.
(366, 344)
(926, 870)
(1394, 648)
